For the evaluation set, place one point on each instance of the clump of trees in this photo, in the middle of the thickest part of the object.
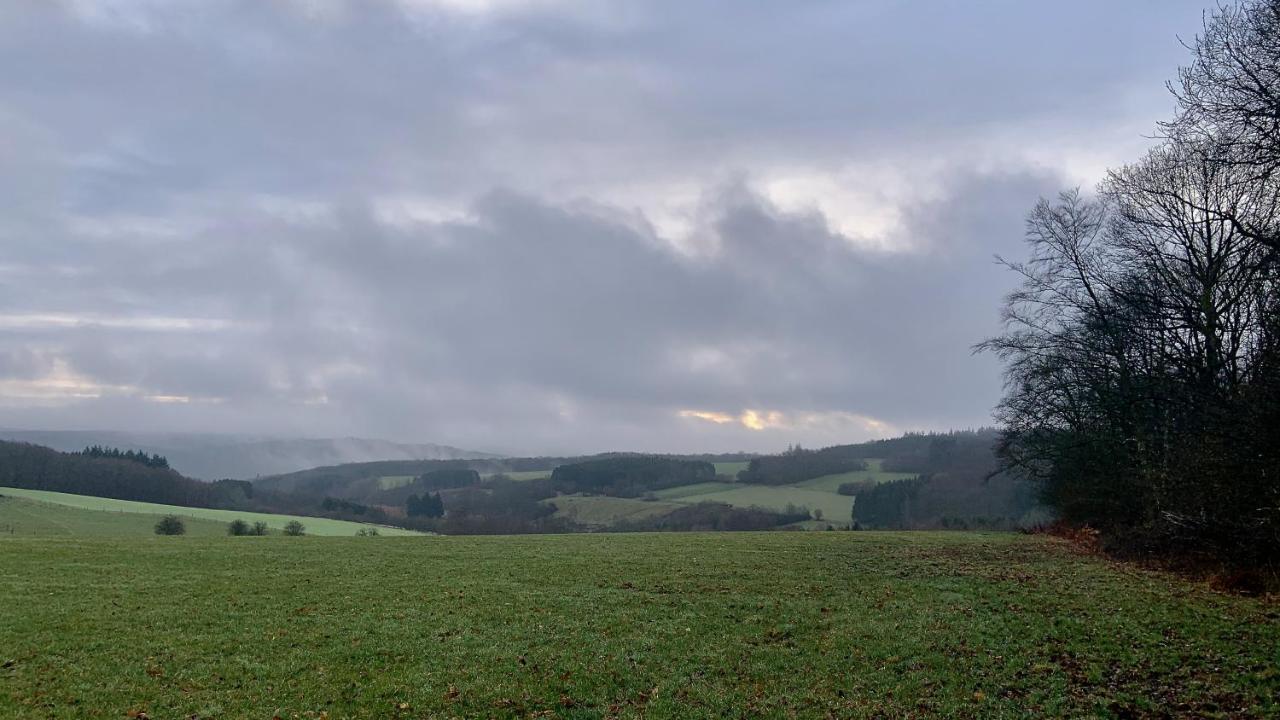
(427, 505)
(1142, 349)
(171, 525)
(798, 464)
(142, 458)
(447, 478)
(240, 528)
(958, 484)
(35, 467)
(630, 476)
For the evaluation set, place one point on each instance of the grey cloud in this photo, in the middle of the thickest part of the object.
(225, 162)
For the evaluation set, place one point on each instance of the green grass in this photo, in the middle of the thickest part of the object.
(391, 482)
(832, 483)
(730, 468)
(30, 518)
(603, 510)
(689, 493)
(835, 508)
(822, 624)
(315, 526)
(526, 474)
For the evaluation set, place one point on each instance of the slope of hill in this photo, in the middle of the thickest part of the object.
(26, 517)
(109, 506)
(213, 457)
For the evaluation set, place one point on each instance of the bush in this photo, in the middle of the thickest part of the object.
(295, 528)
(238, 528)
(259, 528)
(367, 532)
(171, 525)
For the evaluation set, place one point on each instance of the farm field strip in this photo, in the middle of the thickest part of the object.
(391, 482)
(601, 510)
(31, 518)
(678, 625)
(314, 525)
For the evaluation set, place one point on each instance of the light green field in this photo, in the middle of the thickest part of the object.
(603, 510)
(30, 518)
(835, 508)
(315, 526)
(391, 482)
(645, 625)
(689, 493)
(731, 468)
(831, 483)
(525, 474)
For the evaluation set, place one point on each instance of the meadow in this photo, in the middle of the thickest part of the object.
(834, 624)
(30, 518)
(148, 513)
(815, 494)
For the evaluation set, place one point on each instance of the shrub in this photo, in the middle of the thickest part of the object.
(367, 532)
(238, 527)
(171, 525)
(259, 528)
(295, 528)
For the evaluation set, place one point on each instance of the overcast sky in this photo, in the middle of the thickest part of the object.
(540, 225)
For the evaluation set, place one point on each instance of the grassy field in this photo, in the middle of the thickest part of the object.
(391, 482)
(591, 626)
(30, 518)
(832, 483)
(730, 468)
(528, 474)
(690, 493)
(602, 510)
(315, 526)
(834, 507)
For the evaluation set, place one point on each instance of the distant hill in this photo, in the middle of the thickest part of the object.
(213, 456)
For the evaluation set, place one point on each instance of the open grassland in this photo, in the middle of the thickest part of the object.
(638, 625)
(690, 493)
(731, 468)
(836, 508)
(527, 474)
(315, 526)
(30, 518)
(391, 482)
(603, 510)
(873, 473)
(815, 494)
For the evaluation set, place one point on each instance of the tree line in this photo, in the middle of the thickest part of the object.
(151, 461)
(1142, 347)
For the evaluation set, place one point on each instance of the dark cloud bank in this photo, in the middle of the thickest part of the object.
(538, 227)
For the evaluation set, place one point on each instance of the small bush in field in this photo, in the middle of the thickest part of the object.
(171, 525)
(295, 528)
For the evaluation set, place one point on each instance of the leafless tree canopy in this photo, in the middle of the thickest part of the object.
(1141, 349)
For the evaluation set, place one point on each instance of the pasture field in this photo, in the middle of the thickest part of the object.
(314, 525)
(603, 510)
(391, 482)
(831, 483)
(834, 624)
(528, 474)
(690, 493)
(835, 508)
(30, 518)
(730, 468)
